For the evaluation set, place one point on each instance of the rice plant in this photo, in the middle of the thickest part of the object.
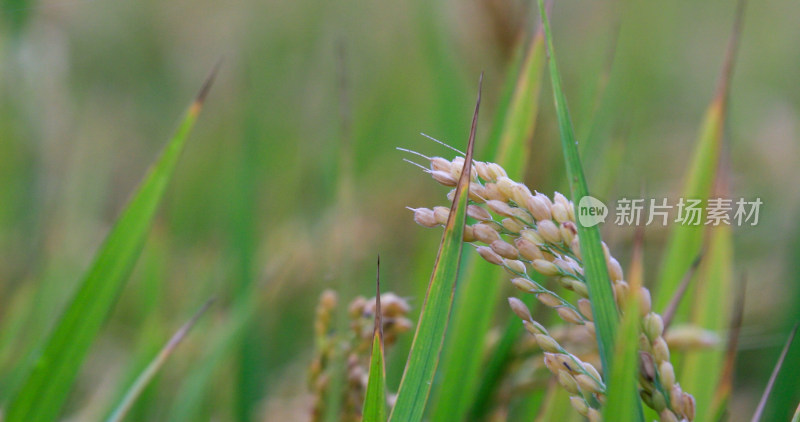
(237, 281)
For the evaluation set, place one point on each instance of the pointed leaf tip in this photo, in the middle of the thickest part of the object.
(203, 93)
(771, 383)
(378, 314)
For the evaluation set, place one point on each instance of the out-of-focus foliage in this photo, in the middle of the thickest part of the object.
(88, 91)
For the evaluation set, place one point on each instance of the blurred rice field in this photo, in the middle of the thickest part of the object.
(291, 182)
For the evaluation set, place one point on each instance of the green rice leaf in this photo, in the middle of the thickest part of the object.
(479, 291)
(375, 400)
(426, 347)
(722, 394)
(623, 403)
(796, 417)
(702, 369)
(712, 298)
(685, 241)
(152, 369)
(771, 383)
(603, 307)
(45, 389)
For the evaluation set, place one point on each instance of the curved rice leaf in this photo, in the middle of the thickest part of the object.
(604, 309)
(771, 383)
(375, 399)
(45, 389)
(685, 241)
(426, 347)
(597, 280)
(155, 365)
(623, 400)
(479, 292)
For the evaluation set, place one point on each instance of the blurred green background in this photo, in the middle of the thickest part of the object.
(312, 95)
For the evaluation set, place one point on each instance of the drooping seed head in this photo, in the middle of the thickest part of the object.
(689, 406)
(440, 164)
(519, 193)
(579, 287)
(587, 384)
(425, 218)
(647, 367)
(512, 225)
(644, 344)
(549, 231)
(477, 193)
(586, 308)
(548, 300)
(668, 416)
(539, 206)
(545, 267)
(552, 363)
(482, 169)
(614, 269)
(392, 306)
(558, 198)
(653, 326)
(500, 208)
(621, 293)
(441, 214)
(520, 309)
(667, 374)
(588, 367)
(569, 315)
(527, 249)
(660, 350)
(514, 267)
(491, 191)
(568, 382)
(575, 246)
(676, 396)
(594, 415)
(456, 166)
(658, 401)
(485, 233)
(496, 171)
(568, 231)
(478, 213)
(579, 404)
(532, 236)
(691, 337)
(590, 330)
(523, 216)
(504, 249)
(444, 178)
(560, 213)
(469, 234)
(534, 327)
(506, 187)
(645, 303)
(564, 266)
(523, 284)
(547, 343)
(489, 255)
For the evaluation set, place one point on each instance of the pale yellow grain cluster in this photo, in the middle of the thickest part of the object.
(356, 344)
(531, 235)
